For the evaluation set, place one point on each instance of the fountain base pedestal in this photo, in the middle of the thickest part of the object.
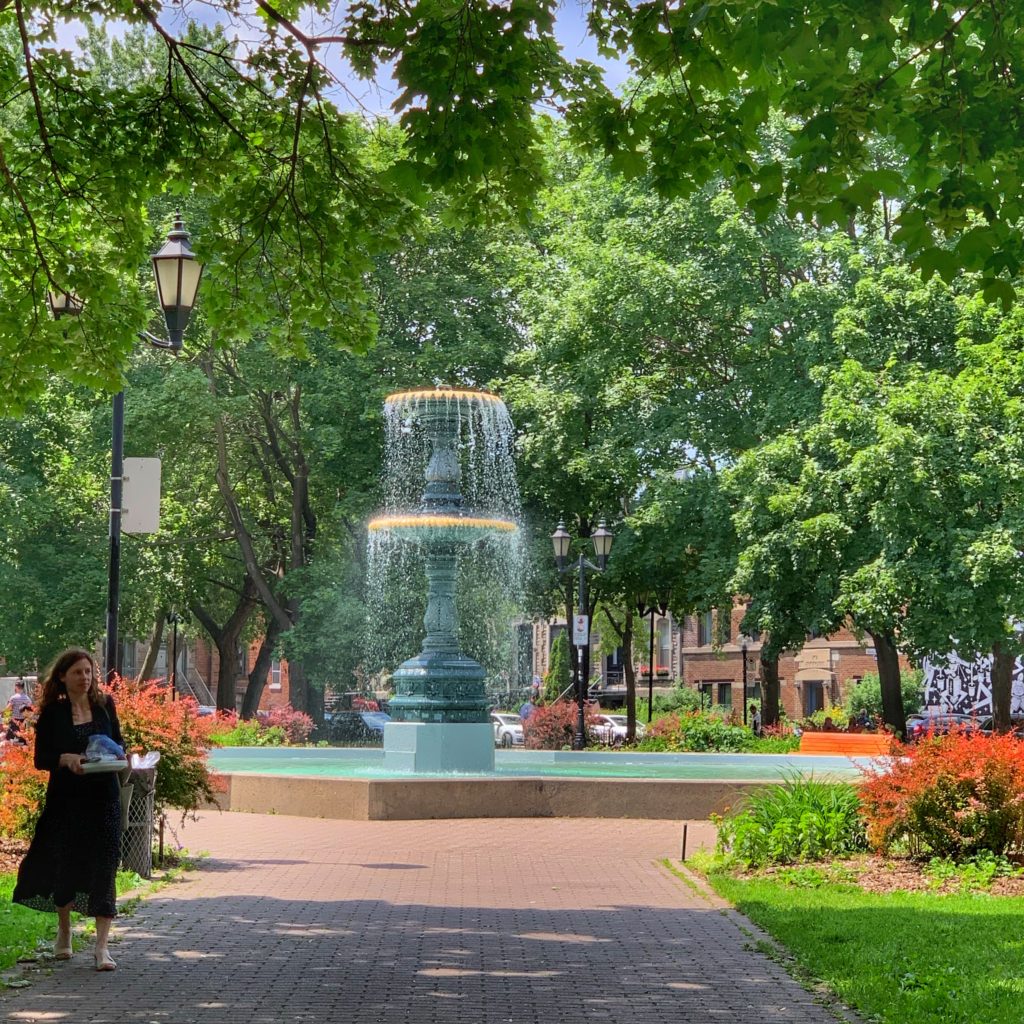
(439, 746)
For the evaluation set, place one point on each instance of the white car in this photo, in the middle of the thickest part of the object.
(611, 729)
(508, 729)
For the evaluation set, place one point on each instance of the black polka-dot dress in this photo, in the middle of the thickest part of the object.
(76, 849)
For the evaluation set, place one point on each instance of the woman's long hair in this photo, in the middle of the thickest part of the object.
(53, 686)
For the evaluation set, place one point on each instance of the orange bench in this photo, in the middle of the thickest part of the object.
(846, 744)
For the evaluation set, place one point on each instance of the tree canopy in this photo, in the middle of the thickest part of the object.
(912, 100)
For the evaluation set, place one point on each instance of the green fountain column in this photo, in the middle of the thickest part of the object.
(440, 712)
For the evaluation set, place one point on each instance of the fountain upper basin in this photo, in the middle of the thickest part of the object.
(425, 526)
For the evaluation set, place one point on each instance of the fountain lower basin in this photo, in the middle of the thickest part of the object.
(353, 784)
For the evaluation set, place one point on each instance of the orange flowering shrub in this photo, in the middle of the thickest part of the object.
(552, 726)
(22, 789)
(150, 720)
(952, 796)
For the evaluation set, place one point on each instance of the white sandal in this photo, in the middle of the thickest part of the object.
(105, 962)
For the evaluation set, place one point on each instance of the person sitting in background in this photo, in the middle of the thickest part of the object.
(19, 705)
(755, 720)
(828, 725)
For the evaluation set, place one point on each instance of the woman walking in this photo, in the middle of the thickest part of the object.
(72, 861)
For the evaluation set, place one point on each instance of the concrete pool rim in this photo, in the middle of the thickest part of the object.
(525, 795)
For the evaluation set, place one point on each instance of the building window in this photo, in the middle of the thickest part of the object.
(128, 666)
(705, 628)
(706, 694)
(275, 675)
(814, 697)
(664, 645)
(725, 695)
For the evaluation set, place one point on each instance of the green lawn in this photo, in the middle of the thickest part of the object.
(904, 958)
(21, 929)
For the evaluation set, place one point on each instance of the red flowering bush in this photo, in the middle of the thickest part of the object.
(951, 796)
(297, 725)
(150, 720)
(552, 726)
(22, 789)
(278, 727)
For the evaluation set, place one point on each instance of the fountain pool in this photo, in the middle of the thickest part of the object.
(355, 783)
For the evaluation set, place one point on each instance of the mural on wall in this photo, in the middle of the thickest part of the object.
(953, 684)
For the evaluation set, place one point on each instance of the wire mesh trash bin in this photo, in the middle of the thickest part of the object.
(137, 839)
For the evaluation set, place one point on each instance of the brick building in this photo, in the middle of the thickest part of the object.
(199, 666)
(816, 676)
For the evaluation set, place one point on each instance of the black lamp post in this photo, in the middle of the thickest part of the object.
(174, 618)
(177, 274)
(562, 542)
(648, 604)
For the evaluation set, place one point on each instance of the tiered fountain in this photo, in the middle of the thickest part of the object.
(440, 712)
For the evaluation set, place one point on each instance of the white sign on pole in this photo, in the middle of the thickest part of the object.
(581, 630)
(140, 502)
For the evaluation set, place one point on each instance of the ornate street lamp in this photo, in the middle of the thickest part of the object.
(561, 541)
(648, 603)
(177, 273)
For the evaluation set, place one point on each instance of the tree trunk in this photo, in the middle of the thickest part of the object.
(890, 681)
(298, 687)
(260, 670)
(146, 672)
(770, 688)
(315, 703)
(1002, 685)
(226, 639)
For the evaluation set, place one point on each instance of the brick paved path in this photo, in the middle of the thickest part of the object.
(478, 922)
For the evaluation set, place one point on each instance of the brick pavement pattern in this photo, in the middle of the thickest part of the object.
(525, 921)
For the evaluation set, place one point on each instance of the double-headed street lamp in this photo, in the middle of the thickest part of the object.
(649, 604)
(177, 273)
(562, 543)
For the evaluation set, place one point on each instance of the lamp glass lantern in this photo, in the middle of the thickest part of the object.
(63, 303)
(561, 542)
(177, 273)
(602, 540)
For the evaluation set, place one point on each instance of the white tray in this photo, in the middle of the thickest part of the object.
(95, 767)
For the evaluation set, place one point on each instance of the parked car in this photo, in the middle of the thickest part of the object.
(1016, 725)
(611, 729)
(356, 728)
(508, 729)
(937, 723)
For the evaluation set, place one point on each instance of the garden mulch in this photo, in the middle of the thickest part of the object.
(891, 874)
(11, 852)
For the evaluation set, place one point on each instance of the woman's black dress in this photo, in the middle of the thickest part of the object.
(76, 848)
